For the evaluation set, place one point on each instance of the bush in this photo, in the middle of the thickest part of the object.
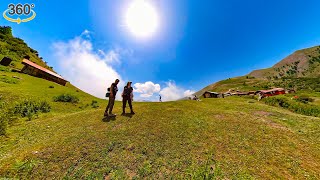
(8, 80)
(29, 108)
(305, 99)
(4, 68)
(94, 104)
(294, 106)
(66, 98)
(51, 87)
(25, 108)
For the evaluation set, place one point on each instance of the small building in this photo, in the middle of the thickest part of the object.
(5, 61)
(271, 92)
(240, 94)
(209, 94)
(41, 72)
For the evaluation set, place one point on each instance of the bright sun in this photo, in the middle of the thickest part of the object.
(141, 18)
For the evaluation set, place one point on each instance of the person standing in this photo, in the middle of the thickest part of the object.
(160, 98)
(112, 98)
(127, 96)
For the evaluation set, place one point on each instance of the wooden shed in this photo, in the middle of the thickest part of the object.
(5, 61)
(41, 72)
(209, 94)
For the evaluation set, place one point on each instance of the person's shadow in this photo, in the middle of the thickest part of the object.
(108, 118)
(129, 115)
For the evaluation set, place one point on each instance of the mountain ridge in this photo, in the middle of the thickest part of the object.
(303, 65)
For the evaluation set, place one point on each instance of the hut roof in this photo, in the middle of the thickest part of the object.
(271, 90)
(211, 92)
(27, 62)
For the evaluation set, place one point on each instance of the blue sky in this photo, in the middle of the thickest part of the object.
(197, 42)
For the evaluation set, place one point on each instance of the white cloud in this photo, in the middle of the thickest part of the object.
(172, 92)
(188, 93)
(147, 89)
(85, 68)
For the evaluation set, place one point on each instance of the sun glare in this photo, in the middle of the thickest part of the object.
(141, 18)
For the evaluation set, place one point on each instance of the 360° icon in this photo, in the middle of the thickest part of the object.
(19, 9)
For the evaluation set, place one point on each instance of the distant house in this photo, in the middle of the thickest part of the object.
(271, 92)
(41, 72)
(5, 61)
(209, 94)
(240, 93)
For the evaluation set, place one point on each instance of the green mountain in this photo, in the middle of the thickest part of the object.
(302, 63)
(299, 71)
(16, 49)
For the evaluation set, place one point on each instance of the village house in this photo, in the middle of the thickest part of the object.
(209, 94)
(41, 72)
(271, 92)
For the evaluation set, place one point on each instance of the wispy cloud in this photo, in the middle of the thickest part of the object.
(84, 67)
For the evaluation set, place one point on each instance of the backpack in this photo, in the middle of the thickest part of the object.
(108, 93)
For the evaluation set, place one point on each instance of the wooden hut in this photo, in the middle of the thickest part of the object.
(209, 94)
(41, 72)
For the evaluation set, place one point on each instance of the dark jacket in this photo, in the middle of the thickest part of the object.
(127, 91)
(114, 89)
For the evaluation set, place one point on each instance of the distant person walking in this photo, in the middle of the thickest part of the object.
(160, 100)
(127, 96)
(112, 98)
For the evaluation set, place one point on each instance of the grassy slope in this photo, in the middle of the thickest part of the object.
(163, 140)
(29, 87)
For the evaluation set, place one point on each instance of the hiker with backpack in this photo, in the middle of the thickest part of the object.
(112, 97)
(127, 96)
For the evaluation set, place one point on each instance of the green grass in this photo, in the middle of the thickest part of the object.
(28, 87)
(232, 138)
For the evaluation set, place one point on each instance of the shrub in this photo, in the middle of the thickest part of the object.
(294, 106)
(30, 108)
(66, 98)
(4, 68)
(25, 108)
(51, 87)
(94, 104)
(8, 80)
(305, 99)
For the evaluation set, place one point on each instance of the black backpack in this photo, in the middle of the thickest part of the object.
(108, 93)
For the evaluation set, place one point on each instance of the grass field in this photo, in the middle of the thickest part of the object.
(231, 138)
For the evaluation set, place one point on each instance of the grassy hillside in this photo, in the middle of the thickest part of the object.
(184, 139)
(302, 63)
(16, 49)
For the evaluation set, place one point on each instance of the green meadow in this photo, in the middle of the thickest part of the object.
(230, 138)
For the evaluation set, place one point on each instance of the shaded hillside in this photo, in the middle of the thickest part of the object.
(16, 49)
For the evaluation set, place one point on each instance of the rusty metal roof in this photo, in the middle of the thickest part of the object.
(272, 90)
(27, 62)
